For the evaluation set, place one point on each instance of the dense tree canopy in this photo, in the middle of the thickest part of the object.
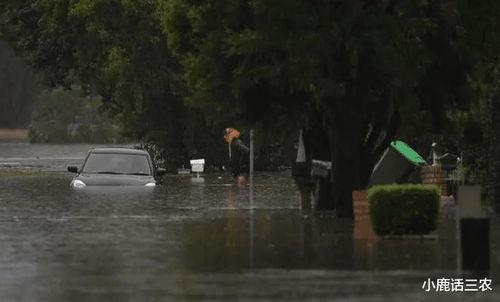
(354, 70)
(354, 75)
(112, 48)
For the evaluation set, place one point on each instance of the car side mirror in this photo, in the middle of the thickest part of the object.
(73, 169)
(161, 171)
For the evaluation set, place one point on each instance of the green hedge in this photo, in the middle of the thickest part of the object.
(404, 209)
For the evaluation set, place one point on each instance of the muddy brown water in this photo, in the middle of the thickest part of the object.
(200, 240)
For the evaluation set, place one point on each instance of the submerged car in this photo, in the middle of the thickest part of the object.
(115, 167)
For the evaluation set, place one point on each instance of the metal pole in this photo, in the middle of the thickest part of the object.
(434, 154)
(251, 156)
(251, 227)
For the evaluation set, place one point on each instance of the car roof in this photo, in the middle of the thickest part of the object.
(117, 150)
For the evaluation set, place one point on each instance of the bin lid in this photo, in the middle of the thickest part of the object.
(411, 155)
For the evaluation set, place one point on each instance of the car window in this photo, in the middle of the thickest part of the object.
(117, 163)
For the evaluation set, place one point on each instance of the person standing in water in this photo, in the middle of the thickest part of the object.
(238, 155)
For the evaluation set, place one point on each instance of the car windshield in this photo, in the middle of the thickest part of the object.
(117, 163)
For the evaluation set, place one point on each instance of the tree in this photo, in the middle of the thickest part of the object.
(353, 74)
(347, 68)
(115, 49)
(351, 71)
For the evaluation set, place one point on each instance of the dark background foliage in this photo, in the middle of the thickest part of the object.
(353, 75)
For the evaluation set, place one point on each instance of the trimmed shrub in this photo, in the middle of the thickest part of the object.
(404, 209)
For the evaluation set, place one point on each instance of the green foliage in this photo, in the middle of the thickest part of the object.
(490, 157)
(65, 116)
(347, 69)
(354, 75)
(114, 49)
(117, 49)
(404, 209)
(18, 89)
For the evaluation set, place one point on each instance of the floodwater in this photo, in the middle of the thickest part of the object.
(200, 239)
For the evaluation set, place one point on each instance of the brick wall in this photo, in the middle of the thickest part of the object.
(434, 175)
(363, 228)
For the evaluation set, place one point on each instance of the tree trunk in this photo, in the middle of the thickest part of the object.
(317, 146)
(323, 194)
(349, 165)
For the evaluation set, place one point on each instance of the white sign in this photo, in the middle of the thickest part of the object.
(197, 161)
(197, 165)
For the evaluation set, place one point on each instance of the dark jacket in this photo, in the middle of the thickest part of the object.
(239, 157)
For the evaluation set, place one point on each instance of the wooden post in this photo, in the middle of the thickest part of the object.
(301, 172)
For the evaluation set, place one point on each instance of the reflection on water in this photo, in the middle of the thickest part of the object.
(201, 240)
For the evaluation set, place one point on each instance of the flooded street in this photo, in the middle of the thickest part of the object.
(199, 240)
